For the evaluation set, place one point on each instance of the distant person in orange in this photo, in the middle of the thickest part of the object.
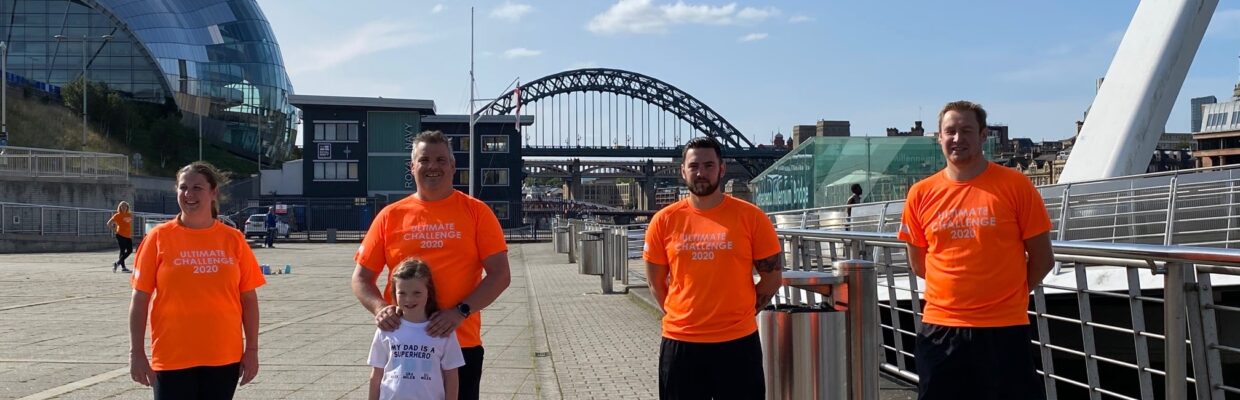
(978, 233)
(457, 235)
(701, 253)
(201, 277)
(121, 224)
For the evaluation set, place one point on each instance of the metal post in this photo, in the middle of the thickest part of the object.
(85, 92)
(864, 340)
(200, 136)
(4, 93)
(1171, 199)
(1173, 321)
(607, 240)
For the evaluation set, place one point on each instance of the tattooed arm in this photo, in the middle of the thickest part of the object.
(770, 277)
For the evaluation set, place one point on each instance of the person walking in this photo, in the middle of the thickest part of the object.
(195, 280)
(978, 233)
(701, 254)
(457, 235)
(121, 225)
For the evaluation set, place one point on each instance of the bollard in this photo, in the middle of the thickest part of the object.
(860, 292)
(331, 235)
(606, 260)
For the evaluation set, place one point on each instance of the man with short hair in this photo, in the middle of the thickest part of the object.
(270, 223)
(979, 234)
(457, 235)
(700, 256)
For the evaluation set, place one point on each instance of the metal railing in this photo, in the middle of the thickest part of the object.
(32, 162)
(1196, 207)
(1125, 355)
(36, 219)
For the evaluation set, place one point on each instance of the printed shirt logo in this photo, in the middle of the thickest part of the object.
(203, 261)
(702, 246)
(963, 223)
(432, 236)
(412, 361)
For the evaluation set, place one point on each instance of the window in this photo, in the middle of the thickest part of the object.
(332, 131)
(460, 144)
(462, 178)
(335, 171)
(494, 177)
(494, 144)
(500, 208)
(1235, 117)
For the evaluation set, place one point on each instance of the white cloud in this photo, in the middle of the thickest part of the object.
(796, 19)
(370, 38)
(752, 37)
(521, 52)
(1226, 23)
(437, 9)
(645, 17)
(511, 11)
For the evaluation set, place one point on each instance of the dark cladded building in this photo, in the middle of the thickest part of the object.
(359, 147)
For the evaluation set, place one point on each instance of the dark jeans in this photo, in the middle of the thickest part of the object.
(271, 237)
(725, 370)
(471, 374)
(126, 246)
(976, 363)
(198, 383)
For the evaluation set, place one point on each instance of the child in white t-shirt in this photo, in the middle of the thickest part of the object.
(409, 363)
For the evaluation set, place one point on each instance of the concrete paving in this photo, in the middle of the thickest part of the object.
(551, 335)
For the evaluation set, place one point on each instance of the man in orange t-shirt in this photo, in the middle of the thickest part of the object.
(700, 256)
(458, 236)
(979, 234)
(121, 224)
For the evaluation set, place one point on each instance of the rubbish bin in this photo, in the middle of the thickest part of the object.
(331, 235)
(804, 352)
(561, 239)
(590, 261)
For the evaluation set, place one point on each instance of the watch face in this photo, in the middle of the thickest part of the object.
(463, 308)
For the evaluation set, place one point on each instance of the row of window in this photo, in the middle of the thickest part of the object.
(335, 171)
(1218, 119)
(500, 208)
(490, 143)
(335, 132)
(490, 177)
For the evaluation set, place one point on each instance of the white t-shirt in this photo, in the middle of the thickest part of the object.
(413, 362)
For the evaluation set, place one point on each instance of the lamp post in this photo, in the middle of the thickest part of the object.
(85, 81)
(4, 93)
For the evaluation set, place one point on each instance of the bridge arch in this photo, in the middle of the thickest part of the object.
(663, 95)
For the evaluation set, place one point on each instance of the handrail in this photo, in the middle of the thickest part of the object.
(1177, 254)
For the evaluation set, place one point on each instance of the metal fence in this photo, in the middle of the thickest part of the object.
(34, 219)
(32, 162)
(1094, 337)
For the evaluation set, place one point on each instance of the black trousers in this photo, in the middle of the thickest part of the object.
(126, 246)
(976, 363)
(198, 383)
(471, 374)
(270, 239)
(725, 370)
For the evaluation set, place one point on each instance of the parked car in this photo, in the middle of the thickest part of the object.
(240, 217)
(256, 225)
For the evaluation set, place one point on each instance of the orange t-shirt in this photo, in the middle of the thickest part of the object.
(452, 235)
(974, 233)
(196, 277)
(710, 255)
(124, 224)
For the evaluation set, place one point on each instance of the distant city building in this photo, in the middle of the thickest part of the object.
(999, 132)
(834, 128)
(916, 130)
(1220, 133)
(359, 147)
(801, 133)
(1196, 103)
(216, 61)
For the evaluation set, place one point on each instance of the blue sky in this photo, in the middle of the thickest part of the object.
(763, 65)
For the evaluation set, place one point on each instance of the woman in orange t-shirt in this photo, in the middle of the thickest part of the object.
(121, 223)
(197, 277)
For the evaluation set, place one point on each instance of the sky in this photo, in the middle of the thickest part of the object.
(763, 65)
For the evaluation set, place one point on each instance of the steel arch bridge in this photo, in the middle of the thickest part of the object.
(601, 112)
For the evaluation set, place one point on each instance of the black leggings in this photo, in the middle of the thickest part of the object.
(203, 383)
(126, 245)
(470, 375)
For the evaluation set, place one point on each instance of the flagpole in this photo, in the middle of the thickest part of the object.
(472, 116)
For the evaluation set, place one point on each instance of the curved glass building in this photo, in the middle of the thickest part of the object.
(218, 60)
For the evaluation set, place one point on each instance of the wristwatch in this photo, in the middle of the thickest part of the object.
(463, 309)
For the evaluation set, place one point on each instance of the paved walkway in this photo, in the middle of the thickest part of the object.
(551, 335)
